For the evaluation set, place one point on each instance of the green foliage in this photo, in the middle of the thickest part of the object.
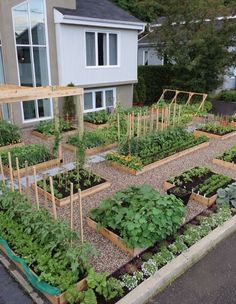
(69, 105)
(48, 127)
(140, 215)
(98, 117)
(158, 145)
(227, 196)
(131, 162)
(34, 154)
(49, 247)
(178, 246)
(108, 288)
(74, 296)
(228, 96)
(9, 134)
(215, 128)
(199, 49)
(137, 110)
(228, 155)
(163, 256)
(140, 90)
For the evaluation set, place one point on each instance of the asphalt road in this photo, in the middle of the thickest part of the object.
(10, 291)
(210, 281)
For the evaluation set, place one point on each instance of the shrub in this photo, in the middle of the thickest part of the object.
(99, 117)
(229, 96)
(140, 215)
(9, 133)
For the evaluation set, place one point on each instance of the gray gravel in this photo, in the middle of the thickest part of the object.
(110, 257)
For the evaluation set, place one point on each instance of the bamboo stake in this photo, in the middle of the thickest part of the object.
(138, 126)
(157, 119)
(174, 116)
(11, 172)
(36, 188)
(144, 123)
(166, 117)
(169, 117)
(133, 124)
(18, 174)
(45, 191)
(71, 206)
(152, 119)
(118, 126)
(2, 172)
(81, 217)
(130, 126)
(162, 119)
(128, 122)
(53, 198)
(179, 114)
(27, 177)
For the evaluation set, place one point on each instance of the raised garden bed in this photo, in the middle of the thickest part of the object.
(202, 182)
(92, 151)
(227, 159)
(215, 130)
(37, 156)
(10, 136)
(89, 184)
(46, 130)
(96, 120)
(132, 218)
(140, 155)
(52, 271)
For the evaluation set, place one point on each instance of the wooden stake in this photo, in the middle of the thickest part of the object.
(27, 178)
(162, 119)
(18, 174)
(174, 115)
(179, 114)
(81, 217)
(144, 123)
(45, 190)
(130, 126)
(2, 172)
(11, 172)
(157, 119)
(71, 206)
(118, 126)
(133, 124)
(36, 188)
(53, 198)
(152, 119)
(138, 126)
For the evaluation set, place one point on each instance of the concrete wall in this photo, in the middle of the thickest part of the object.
(72, 59)
(124, 95)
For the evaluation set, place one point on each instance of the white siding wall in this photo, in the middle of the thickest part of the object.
(72, 58)
(153, 58)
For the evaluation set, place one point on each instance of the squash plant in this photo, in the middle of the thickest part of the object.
(141, 216)
(98, 117)
(48, 127)
(9, 134)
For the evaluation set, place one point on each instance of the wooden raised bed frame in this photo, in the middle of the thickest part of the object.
(8, 147)
(224, 163)
(197, 197)
(114, 238)
(38, 167)
(51, 137)
(199, 133)
(60, 299)
(91, 125)
(159, 162)
(92, 151)
(65, 201)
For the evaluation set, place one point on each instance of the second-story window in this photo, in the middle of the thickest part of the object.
(101, 49)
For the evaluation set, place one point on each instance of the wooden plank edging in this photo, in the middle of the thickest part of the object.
(92, 151)
(94, 126)
(51, 137)
(114, 238)
(199, 133)
(8, 147)
(223, 163)
(159, 162)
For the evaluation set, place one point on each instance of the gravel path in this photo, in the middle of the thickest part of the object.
(110, 258)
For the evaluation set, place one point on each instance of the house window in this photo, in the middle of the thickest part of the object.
(101, 49)
(145, 57)
(99, 99)
(30, 37)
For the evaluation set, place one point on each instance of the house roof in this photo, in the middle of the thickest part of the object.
(99, 9)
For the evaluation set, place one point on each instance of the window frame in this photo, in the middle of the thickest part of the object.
(31, 47)
(103, 90)
(107, 32)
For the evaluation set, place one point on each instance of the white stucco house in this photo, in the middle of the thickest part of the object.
(90, 43)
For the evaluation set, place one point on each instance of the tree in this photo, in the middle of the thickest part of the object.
(194, 40)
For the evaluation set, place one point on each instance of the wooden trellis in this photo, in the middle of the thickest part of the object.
(187, 96)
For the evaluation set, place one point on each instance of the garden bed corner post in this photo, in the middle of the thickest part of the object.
(79, 101)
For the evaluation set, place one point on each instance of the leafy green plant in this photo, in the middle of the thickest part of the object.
(178, 246)
(227, 195)
(98, 117)
(9, 134)
(228, 96)
(140, 215)
(229, 155)
(149, 268)
(129, 161)
(74, 296)
(34, 154)
(163, 256)
(48, 127)
(216, 128)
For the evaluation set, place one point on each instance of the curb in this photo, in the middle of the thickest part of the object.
(162, 278)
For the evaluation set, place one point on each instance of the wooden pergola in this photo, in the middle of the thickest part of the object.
(11, 94)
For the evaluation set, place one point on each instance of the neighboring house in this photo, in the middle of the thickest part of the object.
(91, 43)
(147, 55)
